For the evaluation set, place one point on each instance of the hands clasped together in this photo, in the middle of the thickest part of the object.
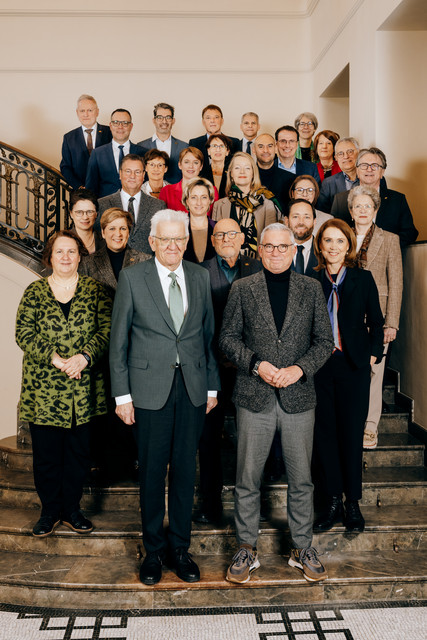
(73, 366)
(279, 377)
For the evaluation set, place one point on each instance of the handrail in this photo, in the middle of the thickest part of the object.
(33, 200)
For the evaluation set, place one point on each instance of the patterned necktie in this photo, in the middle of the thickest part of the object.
(89, 143)
(131, 208)
(121, 154)
(299, 261)
(176, 305)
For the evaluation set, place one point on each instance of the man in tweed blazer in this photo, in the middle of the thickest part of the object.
(276, 330)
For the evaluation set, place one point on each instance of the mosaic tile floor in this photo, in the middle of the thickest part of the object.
(373, 621)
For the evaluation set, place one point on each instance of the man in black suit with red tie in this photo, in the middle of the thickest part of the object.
(79, 143)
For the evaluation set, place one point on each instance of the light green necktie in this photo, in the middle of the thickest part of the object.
(176, 306)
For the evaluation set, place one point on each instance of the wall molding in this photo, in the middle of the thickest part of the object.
(151, 71)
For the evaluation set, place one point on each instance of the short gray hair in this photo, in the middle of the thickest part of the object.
(364, 190)
(168, 215)
(277, 226)
(86, 96)
(309, 115)
(352, 141)
(373, 151)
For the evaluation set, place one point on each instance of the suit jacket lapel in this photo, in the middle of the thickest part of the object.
(295, 294)
(105, 268)
(191, 293)
(262, 300)
(153, 283)
(374, 246)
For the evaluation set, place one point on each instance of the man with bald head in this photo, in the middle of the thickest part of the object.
(273, 178)
(226, 267)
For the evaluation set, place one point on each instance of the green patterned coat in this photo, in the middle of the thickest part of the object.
(47, 394)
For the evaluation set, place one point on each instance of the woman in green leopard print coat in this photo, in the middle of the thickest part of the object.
(63, 328)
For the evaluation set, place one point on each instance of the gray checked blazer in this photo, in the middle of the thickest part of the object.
(305, 340)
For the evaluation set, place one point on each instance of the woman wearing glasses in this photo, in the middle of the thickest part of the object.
(156, 165)
(306, 187)
(218, 147)
(306, 124)
(251, 205)
(83, 210)
(342, 384)
(378, 251)
(198, 198)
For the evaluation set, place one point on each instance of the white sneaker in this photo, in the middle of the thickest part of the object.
(370, 440)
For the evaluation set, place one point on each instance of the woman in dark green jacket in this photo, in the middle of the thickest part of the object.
(63, 328)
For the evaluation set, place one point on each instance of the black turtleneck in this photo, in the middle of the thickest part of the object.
(116, 259)
(278, 289)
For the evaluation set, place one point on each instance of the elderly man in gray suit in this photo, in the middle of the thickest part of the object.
(130, 198)
(276, 330)
(165, 378)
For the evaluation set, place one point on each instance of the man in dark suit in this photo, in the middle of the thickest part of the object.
(276, 330)
(103, 169)
(79, 143)
(163, 140)
(394, 214)
(346, 151)
(273, 178)
(249, 126)
(212, 120)
(131, 198)
(300, 220)
(226, 267)
(287, 138)
(164, 378)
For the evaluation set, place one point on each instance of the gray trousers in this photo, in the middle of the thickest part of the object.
(255, 433)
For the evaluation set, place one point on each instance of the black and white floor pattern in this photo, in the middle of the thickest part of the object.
(370, 621)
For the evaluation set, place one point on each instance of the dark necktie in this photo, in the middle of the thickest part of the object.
(299, 262)
(121, 154)
(89, 143)
(131, 208)
(248, 147)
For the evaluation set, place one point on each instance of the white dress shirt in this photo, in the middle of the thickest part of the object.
(163, 145)
(116, 151)
(125, 197)
(305, 252)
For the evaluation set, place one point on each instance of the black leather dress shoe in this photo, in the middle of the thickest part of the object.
(78, 523)
(150, 571)
(45, 526)
(186, 568)
(333, 514)
(353, 520)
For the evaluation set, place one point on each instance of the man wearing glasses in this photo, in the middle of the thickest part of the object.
(103, 169)
(131, 198)
(394, 214)
(163, 140)
(346, 151)
(287, 138)
(276, 331)
(165, 379)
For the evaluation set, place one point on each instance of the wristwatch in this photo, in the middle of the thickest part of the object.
(87, 357)
(256, 367)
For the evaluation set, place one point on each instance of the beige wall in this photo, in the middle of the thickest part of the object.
(14, 278)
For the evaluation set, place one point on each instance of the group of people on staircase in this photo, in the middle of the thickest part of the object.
(238, 286)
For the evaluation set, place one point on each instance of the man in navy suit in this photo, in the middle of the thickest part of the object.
(213, 120)
(300, 220)
(346, 151)
(287, 138)
(249, 126)
(164, 119)
(103, 169)
(78, 144)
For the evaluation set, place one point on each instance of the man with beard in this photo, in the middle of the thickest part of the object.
(300, 220)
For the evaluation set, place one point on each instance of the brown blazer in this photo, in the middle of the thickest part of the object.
(384, 261)
(264, 215)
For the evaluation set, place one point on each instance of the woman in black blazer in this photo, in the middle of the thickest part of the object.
(198, 197)
(342, 384)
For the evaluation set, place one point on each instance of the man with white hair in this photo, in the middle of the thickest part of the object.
(164, 377)
(346, 150)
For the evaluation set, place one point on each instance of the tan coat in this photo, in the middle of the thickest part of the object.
(384, 261)
(264, 215)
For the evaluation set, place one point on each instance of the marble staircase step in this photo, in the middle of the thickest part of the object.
(112, 582)
(395, 449)
(389, 393)
(119, 534)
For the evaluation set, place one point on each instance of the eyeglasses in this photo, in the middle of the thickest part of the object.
(165, 242)
(300, 190)
(80, 214)
(306, 124)
(156, 165)
(363, 207)
(217, 146)
(374, 166)
(282, 248)
(221, 234)
(161, 118)
(129, 172)
(118, 123)
(349, 152)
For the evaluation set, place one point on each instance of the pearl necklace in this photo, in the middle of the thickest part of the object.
(65, 286)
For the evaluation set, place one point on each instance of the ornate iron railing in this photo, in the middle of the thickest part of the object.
(33, 200)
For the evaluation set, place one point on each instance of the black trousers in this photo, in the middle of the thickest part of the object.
(168, 436)
(342, 406)
(61, 461)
